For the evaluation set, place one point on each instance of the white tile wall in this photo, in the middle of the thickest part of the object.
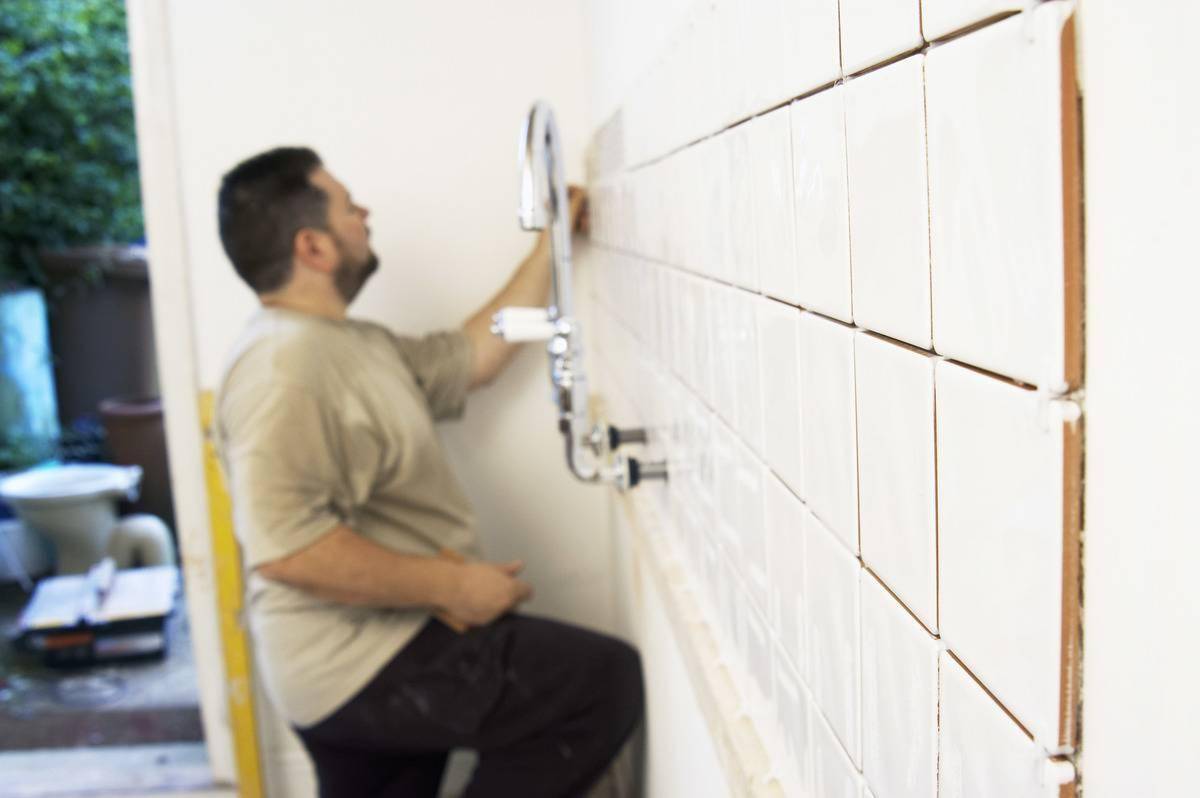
(900, 698)
(790, 47)
(827, 430)
(792, 335)
(774, 214)
(996, 198)
(741, 220)
(779, 361)
(792, 705)
(873, 32)
(1000, 511)
(896, 466)
(822, 221)
(834, 775)
(832, 596)
(787, 524)
(983, 754)
(942, 17)
(748, 408)
(889, 207)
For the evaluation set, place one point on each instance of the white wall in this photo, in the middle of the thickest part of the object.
(1142, 624)
(417, 108)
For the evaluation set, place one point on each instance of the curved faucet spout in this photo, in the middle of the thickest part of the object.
(543, 197)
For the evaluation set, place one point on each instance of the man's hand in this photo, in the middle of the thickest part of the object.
(484, 592)
(577, 199)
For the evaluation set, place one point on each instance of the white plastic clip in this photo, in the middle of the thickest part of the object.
(1053, 407)
(1028, 25)
(1058, 771)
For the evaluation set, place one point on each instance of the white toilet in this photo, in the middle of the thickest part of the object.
(73, 506)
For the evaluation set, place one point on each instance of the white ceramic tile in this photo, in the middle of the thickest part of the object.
(699, 352)
(774, 215)
(822, 212)
(889, 201)
(758, 659)
(996, 198)
(834, 775)
(873, 31)
(718, 207)
(786, 527)
(831, 576)
(750, 527)
(1000, 539)
(721, 299)
(726, 463)
(900, 698)
(812, 46)
(732, 81)
(685, 325)
(736, 143)
(983, 754)
(748, 418)
(940, 17)
(897, 496)
(793, 709)
(779, 363)
(791, 46)
(828, 430)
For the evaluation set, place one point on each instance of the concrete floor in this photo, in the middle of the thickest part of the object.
(106, 730)
(112, 771)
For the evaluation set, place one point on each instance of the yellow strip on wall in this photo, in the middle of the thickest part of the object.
(227, 567)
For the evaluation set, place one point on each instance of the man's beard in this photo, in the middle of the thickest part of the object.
(352, 275)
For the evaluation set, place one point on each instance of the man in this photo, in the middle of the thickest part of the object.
(380, 633)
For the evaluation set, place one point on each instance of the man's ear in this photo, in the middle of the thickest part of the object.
(315, 249)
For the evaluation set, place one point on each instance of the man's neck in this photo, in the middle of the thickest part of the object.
(325, 307)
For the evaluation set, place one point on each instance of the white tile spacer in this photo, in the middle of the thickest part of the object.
(1054, 406)
(1058, 771)
(1028, 26)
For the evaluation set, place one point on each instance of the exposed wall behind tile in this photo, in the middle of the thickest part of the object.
(835, 274)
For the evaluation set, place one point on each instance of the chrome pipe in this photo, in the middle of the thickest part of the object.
(544, 204)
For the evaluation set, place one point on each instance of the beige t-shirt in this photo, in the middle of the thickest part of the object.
(321, 423)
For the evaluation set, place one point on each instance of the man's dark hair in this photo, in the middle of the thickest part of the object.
(263, 202)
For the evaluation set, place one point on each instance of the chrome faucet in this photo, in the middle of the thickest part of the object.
(590, 448)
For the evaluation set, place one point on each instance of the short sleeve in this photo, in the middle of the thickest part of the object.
(283, 450)
(441, 364)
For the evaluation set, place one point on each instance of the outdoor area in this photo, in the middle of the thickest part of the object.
(97, 677)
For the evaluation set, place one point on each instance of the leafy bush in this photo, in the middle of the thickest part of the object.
(68, 155)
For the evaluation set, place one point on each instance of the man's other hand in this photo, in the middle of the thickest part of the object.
(485, 591)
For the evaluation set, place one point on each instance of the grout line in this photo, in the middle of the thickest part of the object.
(974, 26)
(887, 339)
(900, 601)
(928, 198)
(920, 49)
(857, 452)
(846, 181)
(937, 520)
(1013, 381)
(992, 696)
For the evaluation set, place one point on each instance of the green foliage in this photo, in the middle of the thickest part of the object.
(68, 155)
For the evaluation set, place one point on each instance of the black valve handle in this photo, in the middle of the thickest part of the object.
(617, 437)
